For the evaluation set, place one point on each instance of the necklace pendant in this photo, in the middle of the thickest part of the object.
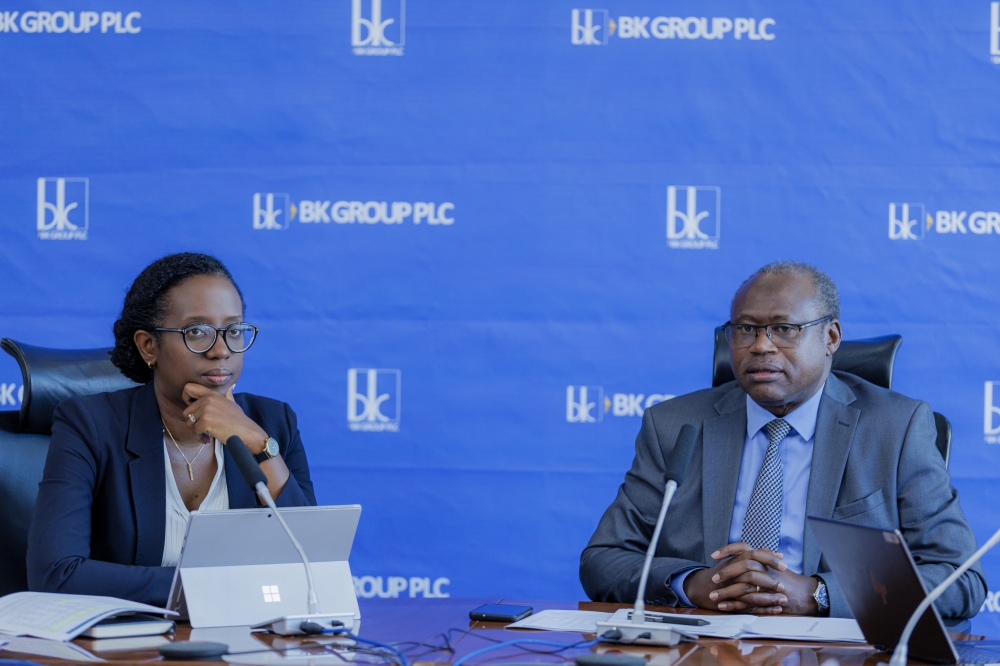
(190, 472)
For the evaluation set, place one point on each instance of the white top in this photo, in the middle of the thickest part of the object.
(178, 514)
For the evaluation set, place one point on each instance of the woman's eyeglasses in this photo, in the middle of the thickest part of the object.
(199, 338)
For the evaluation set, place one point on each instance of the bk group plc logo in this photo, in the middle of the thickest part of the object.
(61, 22)
(375, 407)
(584, 404)
(991, 412)
(63, 208)
(11, 394)
(593, 27)
(906, 221)
(911, 221)
(379, 31)
(588, 404)
(393, 587)
(693, 217)
(995, 33)
(272, 211)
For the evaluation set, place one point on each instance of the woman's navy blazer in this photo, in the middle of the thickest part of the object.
(99, 523)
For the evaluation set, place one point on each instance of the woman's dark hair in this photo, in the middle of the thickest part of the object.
(146, 304)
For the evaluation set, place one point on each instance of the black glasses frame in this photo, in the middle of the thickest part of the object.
(728, 327)
(215, 339)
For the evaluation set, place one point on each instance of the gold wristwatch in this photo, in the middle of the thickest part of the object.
(270, 451)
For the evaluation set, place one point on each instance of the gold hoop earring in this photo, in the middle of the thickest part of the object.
(150, 364)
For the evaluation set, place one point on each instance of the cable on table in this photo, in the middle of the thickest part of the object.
(527, 641)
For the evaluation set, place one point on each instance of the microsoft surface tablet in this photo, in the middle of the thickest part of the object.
(238, 567)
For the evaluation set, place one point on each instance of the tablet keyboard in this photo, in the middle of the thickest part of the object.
(978, 652)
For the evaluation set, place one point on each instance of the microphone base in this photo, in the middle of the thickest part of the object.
(288, 625)
(647, 633)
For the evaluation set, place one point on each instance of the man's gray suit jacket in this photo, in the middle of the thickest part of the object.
(874, 463)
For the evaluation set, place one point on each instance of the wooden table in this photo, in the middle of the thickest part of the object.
(424, 620)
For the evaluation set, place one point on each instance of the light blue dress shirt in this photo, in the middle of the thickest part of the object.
(796, 460)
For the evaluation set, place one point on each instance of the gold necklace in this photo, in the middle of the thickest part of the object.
(189, 462)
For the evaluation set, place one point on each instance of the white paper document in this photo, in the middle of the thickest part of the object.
(584, 622)
(61, 617)
(719, 626)
(812, 629)
(42, 647)
(824, 629)
(716, 626)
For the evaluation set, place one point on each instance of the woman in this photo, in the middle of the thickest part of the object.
(125, 469)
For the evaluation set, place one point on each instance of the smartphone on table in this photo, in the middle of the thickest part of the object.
(500, 613)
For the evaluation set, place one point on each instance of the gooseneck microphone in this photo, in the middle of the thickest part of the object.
(632, 626)
(256, 479)
(899, 655)
(677, 466)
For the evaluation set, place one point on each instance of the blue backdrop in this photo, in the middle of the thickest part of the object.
(480, 238)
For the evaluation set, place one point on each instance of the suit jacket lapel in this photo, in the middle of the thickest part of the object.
(835, 425)
(723, 437)
(147, 476)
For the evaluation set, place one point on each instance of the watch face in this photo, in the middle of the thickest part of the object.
(272, 447)
(821, 596)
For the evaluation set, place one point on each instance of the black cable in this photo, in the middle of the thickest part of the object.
(448, 646)
(326, 649)
(446, 635)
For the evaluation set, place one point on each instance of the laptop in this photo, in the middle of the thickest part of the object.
(883, 587)
(238, 567)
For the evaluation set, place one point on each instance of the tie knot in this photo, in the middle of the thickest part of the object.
(777, 429)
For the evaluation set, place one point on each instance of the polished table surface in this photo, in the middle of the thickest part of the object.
(419, 626)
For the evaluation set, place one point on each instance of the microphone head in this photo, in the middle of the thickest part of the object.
(245, 462)
(680, 457)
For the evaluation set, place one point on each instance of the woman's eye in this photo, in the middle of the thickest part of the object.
(196, 332)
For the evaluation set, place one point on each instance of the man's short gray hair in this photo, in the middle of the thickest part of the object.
(826, 290)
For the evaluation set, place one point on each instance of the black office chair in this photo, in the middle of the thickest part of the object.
(50, 376)
(871, 359)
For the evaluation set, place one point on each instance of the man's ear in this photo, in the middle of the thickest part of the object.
(833, 337)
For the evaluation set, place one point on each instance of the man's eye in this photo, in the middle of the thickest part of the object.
(744, 328)
(783, 328)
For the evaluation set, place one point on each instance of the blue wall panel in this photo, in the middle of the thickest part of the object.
(537, 147)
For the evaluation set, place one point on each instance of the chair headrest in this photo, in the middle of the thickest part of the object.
(52, 375)
(872, 359)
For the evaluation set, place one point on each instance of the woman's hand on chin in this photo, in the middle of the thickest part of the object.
(220, 417)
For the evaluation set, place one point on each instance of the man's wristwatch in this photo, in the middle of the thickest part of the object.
(270, 451)
(821, 596)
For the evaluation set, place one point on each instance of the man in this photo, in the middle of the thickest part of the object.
(788, 439)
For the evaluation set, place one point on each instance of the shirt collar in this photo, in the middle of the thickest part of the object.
(802, 419)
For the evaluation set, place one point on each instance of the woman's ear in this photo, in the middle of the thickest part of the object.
(146, 344)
